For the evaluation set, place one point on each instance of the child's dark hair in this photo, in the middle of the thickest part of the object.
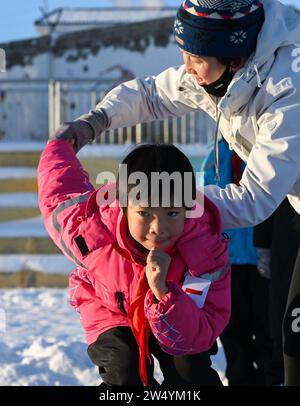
(156, 157)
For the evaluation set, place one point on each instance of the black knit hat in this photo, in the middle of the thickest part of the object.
(219, 28)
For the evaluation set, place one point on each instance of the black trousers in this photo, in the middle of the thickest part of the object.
(116, 354)
(246, 339)
(284, 248)
(291, 330)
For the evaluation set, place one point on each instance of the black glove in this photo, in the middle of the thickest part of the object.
(83, 130)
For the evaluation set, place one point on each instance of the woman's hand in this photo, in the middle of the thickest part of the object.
(156, 271)
(77, 133)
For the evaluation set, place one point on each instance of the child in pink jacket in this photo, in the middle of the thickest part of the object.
(150, 279)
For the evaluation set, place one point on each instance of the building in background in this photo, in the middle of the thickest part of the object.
(86, 51)
(65, 20)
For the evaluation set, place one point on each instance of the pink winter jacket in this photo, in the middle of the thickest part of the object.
(109, 265)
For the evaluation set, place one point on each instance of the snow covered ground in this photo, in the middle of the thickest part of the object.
(20, 172)
(42, 341)
(18, 199)
(32, 227)
(98, 151)
(50, 264)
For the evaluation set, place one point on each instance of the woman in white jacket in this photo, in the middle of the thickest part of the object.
(241, 66)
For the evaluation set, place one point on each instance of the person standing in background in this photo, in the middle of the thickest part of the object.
(246, 339)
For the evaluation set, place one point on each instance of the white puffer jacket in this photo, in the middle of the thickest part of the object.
(260, 117)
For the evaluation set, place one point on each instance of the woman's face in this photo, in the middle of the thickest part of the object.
(205, 69)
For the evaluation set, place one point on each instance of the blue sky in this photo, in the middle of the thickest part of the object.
(17, 16)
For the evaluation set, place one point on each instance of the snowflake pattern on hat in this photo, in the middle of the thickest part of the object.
(235, 6)
(178, 27)
(238, 37)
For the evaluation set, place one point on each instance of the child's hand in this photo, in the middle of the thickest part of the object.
(156, 271)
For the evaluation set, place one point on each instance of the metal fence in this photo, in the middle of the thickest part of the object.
(33, 109)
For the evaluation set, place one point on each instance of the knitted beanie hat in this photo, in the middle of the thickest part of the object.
(219, 28)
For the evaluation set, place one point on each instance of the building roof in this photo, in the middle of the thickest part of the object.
(134, 36)
(103, 16)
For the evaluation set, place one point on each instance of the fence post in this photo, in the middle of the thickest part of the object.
(120, 135)
(166, 130)
(174, 130)
(51, 106)
(192, 127)
(57, 105)
(183, 129)
(93, 99)
(64, 102)
(2, 60)
(138, 133)
(128, 135)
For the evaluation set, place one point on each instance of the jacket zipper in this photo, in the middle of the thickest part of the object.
(216, 145)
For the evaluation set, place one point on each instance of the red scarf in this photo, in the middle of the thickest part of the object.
(136, 315)
(139, 324)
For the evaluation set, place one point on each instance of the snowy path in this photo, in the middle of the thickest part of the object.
(98, 151)
(18, 172)
(32, 227)
(43, 342)
(18, 200)
(50, 264)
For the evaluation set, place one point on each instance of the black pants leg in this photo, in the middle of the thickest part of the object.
(291, 330)
(116, 354)
(249, 317)
(186, 369)
(284, 249)
(262, 343)
(236, 338)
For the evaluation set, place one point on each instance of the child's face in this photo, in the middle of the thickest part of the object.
(205, 69)
(155, 227)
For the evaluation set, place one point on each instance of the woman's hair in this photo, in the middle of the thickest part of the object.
(150, 158)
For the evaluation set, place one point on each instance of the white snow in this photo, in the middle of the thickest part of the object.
(18, 200)
(21, 146)
(97, 150)
(120, 151)
(110, 16)
(51, 264)
(18, 172)
(32, 227)
(43, 342)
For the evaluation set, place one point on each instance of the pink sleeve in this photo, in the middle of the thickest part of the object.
(60, 176)
(63, 190)
(180, 326)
